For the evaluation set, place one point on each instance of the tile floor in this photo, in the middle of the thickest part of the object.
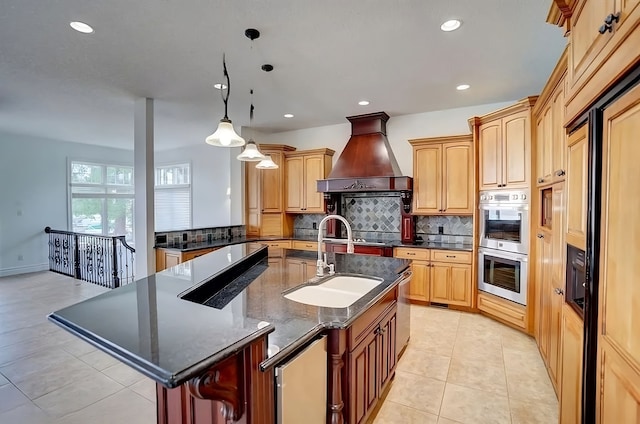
(458, 368)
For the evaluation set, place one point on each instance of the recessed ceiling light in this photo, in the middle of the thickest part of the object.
(363, 102)
(288, 115)
(450, 25)
(81, 27)
(462, 87)
(220, 86)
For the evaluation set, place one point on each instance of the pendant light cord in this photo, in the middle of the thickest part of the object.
(225, 98)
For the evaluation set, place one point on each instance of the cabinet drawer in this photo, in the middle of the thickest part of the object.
(187, 256)
(504, 310)
(455, 256)
(304, 245)
(362, 326)
(278, 244)
(412, 253)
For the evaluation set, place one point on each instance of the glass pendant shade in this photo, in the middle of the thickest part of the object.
(251, 153)
(267, 163)
(225, 136)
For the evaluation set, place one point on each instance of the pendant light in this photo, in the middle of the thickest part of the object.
(251, 153)
(267, 163)
(225, 135)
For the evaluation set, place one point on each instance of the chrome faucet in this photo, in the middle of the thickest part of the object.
(322, 263)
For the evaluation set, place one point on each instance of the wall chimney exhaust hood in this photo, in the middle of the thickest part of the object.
(367, 163)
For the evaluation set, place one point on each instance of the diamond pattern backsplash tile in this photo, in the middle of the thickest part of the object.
(455, 229)
(373, 217)
(303, 225)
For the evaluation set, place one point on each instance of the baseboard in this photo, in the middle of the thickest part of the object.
(24, 269)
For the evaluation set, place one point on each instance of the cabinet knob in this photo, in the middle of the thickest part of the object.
(560, 172)
(540, 180)
(558, 291)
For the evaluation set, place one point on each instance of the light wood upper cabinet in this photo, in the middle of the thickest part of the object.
(264, 199)
(504, 146)
(443, 173)
(577, 188)
(596, 60)
(571, 359)
(303, 169)
(618, 347)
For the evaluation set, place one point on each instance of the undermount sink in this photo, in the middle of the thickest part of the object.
(339, 291)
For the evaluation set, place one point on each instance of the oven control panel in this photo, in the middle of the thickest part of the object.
(503, 197)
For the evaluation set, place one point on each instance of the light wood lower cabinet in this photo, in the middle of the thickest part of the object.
(439, 276)
(503, 310)
(166, 258)
(451, 284)
(618, 347)
(304, 245)
(571, 359)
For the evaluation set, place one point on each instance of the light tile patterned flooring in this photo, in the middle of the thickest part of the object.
(458, 368)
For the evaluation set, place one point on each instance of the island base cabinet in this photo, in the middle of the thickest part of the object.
(233, 391)
(372, 364)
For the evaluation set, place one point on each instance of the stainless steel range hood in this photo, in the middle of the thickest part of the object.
(367, 163)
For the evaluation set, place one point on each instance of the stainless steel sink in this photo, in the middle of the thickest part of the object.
(338, 291)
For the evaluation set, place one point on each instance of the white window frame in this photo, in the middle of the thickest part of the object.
(106, 195)
(168, 187)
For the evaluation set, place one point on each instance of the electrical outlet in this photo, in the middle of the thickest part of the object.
(20, 257)
(440, 230)
(315, 226)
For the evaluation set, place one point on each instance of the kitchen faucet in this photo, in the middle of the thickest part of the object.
(321, 264)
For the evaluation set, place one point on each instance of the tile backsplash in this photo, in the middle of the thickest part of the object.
(373, 216)
(200, 235)
(451, 229)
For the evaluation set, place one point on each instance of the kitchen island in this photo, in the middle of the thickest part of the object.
(210, 331)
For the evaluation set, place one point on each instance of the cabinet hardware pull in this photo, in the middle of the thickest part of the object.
(608, 23)
(411, 254)
(540, 180)
(540, 236)
(451, 256)
(560, 172)
(558, 291)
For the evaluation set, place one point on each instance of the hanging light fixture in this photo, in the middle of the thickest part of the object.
(225, 135)
(267, 163)
(251, 153)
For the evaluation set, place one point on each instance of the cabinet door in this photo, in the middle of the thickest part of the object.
(576, 186)
(440, 283)
(586, 41)
(388, 351)
(253, 198)
(363, 382)
(544, 146)
(428, 180)
(272, 200)
(314, 170)
(571, 394)
(419, 285)
(516, 145)
(295, 184)
(618, 379)
(460, 285)
(558, 134)
(457, 184)
(171, 259)
(543, 280)
(490, 146)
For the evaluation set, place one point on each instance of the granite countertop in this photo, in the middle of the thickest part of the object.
(189, 246)
(173, 325)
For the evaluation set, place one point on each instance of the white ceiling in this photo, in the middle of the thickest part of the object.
(327, 55)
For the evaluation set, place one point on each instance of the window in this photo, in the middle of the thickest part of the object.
(101, 199)
(173, 197)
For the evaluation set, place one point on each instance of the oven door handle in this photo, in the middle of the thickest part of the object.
(520, 208)
(504, 255)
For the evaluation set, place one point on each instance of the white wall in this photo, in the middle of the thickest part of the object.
(33, 195)
(210, 178)
(399, 130)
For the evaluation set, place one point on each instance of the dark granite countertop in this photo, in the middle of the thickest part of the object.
(186, 247)
(235, 297)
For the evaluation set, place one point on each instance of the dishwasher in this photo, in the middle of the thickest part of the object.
(301, 386)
